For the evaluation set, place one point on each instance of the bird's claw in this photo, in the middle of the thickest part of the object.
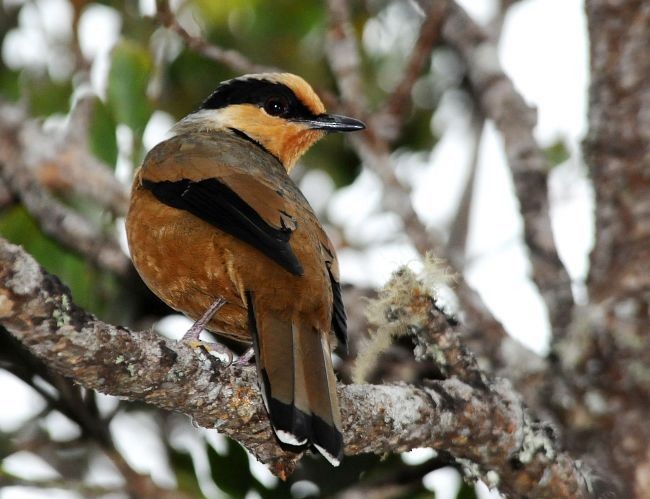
(212, 349)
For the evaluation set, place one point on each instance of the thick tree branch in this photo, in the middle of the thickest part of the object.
(618, 146)
(486, 428)
(607, 353)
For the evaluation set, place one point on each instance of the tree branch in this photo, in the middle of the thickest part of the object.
(618, 147)
(37, 309)
(18, 161)
(231, 58)
(62, 162)
(459, 228)
(397, 104)
(343, 56)
(515, 120)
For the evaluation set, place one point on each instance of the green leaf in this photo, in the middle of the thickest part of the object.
(557, 153)
(5, 444)
(183, 467)
(47, 97)
(131, 67)
(466, 492)
(101, 134)
(231, 471)
(91, 288)
(9, 84)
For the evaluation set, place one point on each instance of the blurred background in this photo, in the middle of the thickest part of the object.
(108, 79)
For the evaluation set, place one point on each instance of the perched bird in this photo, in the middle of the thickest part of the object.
(219, 231)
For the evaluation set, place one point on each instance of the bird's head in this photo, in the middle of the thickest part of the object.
(279, 111)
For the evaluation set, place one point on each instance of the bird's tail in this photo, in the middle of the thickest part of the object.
(296, 376)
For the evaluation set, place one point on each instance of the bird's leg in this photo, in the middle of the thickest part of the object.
(191, 337)
(245, 357)
(194, 332)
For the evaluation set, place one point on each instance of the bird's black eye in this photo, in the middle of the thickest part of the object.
(276, 106)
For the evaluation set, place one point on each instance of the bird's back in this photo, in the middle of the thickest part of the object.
(182, 249)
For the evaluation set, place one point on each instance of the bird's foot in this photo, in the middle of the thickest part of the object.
(191, 337)
(213, 348)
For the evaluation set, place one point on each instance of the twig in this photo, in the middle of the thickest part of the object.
(231, 58)
(487, 427)
(342, 53)
(62, 161)
(515, 120)
(343, 56)
(17, 139)
(398, 103)
(459, 228)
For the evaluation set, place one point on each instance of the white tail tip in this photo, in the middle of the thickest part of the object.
(332, 460)
(289, 438)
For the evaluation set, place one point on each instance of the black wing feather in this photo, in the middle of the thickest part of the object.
(217, 204)
(339, 319)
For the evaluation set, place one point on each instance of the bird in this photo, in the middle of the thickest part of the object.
(219, 231)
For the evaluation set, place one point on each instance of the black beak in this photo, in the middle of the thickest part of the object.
(334, 123)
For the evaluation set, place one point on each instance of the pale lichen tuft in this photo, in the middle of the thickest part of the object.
(397, 309)
(26, 277)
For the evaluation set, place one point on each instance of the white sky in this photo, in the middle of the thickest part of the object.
(551, 74)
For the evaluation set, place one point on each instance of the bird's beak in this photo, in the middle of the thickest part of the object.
(334, 123)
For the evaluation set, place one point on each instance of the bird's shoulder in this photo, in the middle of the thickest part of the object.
(201, 155)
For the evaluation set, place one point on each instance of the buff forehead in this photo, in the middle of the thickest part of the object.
(300, 87)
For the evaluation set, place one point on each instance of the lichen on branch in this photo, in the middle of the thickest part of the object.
(399, 310)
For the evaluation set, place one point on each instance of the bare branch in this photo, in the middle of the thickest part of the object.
(55, 219)
(37, 309)
(231, 58)
(63, 162)
(18, 161)
(343, 56)
(515, 120)
(457, 241)
(398, 102)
